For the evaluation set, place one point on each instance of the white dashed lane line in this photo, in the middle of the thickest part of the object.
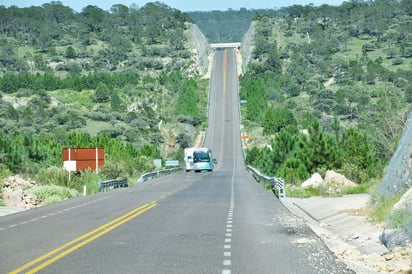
(227, 247)
(51, 214)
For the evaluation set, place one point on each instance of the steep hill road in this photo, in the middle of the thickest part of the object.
(212, 222)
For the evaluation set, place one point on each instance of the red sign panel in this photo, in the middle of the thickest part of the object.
(85, 158)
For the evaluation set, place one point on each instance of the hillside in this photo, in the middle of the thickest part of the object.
(328, 88)
(128, 79)
(312, 66)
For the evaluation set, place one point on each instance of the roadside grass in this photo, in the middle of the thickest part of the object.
(61, 182)
(4, 172)
(48, 194)
(1, 192)
(298, 192)
(382, 206)
(360, 188)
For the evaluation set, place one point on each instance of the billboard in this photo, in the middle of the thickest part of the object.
(78, 159)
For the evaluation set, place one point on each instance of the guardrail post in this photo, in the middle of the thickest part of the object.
(279, 183)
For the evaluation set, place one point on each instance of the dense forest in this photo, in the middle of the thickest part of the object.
(329, 88)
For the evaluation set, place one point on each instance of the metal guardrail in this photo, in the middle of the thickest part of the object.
(110, 184)
(154, 174)
(276, 183)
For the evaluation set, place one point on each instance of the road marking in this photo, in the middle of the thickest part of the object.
(53, 213)
(228, 239)
(58, 253)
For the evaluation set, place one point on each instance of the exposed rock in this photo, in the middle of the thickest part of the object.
(331, 177)
(314, 181)
(15, 194)
(398, 180)
(248, 44)
(333, 182)
(392, 238)
(398, 175)
(200, 49)
(405, 202)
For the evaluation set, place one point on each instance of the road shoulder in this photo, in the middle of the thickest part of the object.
(344, 226)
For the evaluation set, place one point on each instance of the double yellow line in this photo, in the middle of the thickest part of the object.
(58, 253)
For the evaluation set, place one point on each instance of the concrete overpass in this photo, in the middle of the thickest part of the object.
(225, 45)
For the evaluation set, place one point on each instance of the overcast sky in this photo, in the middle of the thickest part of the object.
(182, 5)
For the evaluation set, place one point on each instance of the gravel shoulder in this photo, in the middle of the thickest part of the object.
(344, 226)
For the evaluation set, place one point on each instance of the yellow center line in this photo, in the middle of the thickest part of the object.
(84, 239)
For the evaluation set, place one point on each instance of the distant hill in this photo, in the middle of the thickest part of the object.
(226, 26)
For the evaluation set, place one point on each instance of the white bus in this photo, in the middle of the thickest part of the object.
(203, 160)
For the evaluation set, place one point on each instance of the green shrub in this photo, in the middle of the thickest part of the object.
(55, 176)
(382, 207)
(4, 171)
(268, 186)
(360, 188)
(52, 176)
(53, 193)
(87, 178)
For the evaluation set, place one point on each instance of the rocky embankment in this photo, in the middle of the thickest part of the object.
(15, 193)
(398, 181)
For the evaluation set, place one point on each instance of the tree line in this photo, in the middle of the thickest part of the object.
(104, 38)
(28, 153)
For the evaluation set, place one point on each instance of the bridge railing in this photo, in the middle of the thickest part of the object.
(276, 183)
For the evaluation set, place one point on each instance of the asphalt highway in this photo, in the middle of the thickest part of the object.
(208, 222)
